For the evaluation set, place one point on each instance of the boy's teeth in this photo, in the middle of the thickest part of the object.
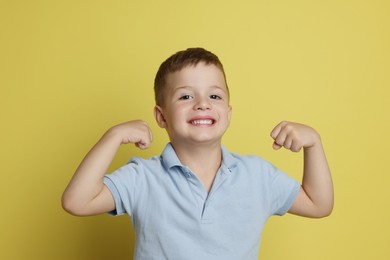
(202, 122)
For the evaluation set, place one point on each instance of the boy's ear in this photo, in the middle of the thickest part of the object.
(230, 112)
(159, 116)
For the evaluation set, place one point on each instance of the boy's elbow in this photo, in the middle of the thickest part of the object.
(323, 212)
(70, 207)
(67, 206)
(328, 212)
(76, 207)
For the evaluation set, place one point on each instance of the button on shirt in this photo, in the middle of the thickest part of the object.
(174, 217)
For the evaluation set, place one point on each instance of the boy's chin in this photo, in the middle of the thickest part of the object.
(201, 142)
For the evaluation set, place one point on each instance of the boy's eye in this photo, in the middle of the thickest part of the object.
(215, 97)
(185, 97)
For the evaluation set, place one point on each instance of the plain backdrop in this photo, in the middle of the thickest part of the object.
(69, 70)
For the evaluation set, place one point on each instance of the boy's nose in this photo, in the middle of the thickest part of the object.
(202, 105)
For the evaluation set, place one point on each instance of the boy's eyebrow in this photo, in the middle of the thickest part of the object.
(180, 88)
(191, 87)
(218, 87)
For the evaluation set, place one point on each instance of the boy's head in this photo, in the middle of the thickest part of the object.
(178, 61)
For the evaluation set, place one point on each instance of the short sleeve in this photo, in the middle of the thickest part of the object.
(121, 184)
(119, 209)
(284, 191)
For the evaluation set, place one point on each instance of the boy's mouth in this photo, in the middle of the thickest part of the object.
(202, 122)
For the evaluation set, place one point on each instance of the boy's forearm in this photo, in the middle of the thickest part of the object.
(315, 199)
(87, 181)
(86, 193)
(317, 180)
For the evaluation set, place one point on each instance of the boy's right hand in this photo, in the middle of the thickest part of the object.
(86, 193)
(135, 132)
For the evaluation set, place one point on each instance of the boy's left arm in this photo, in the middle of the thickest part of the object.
(315, 198)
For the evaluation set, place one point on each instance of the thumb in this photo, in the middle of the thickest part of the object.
(142, 145)
(276, 146)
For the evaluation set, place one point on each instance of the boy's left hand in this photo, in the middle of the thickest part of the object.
(315, 198)
(294, 136)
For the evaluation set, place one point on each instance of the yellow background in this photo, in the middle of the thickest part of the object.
(71, 69)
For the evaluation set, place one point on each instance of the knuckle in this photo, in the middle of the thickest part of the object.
(142, 122)
(296, 148)
(289, 127)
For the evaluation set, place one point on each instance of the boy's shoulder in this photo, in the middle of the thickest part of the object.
(246, 160)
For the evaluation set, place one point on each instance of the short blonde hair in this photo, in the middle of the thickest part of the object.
(178, 61)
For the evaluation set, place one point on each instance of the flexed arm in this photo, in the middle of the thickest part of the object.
(315, 199)
(86, 193)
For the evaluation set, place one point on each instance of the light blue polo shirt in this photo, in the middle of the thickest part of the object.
(175, 218)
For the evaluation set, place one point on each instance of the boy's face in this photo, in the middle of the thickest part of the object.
(196, 108)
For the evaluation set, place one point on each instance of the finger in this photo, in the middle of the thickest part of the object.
(281, 138)
(277, 129)
(296, 146)
(288, 142)
(143, 142)
(147, 131)
(142, 145)
(275, 146)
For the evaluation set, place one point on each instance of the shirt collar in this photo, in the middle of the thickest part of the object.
(228, 160)
(170, 158)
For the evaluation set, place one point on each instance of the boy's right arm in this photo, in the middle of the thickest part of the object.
(86, 193)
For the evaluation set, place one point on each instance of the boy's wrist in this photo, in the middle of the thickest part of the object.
(113, 134)
(317, 143)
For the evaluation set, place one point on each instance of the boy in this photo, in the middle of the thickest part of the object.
(197, 200)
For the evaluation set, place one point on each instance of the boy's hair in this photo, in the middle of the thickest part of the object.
(178, 61)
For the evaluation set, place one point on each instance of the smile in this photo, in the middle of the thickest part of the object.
(202, 122)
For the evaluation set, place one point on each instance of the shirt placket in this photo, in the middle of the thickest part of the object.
(203, 198)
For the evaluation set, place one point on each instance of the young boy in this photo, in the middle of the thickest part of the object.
(197, 200)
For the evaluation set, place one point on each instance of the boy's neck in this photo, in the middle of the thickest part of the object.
(203, 160)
